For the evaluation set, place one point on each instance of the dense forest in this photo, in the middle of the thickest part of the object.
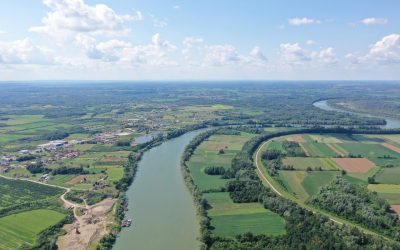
(357, 204)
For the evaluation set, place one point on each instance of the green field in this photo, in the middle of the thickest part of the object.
(317, 179)
(385, 188)
(230, 219)
(207, 155)
(15, 192)
(292, 181)
(23, 228)
(301, 163)
(318, 149)
(368, 150)
(388, 176)
(389, 192)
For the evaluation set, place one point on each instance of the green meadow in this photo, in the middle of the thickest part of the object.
(23, 228)
(230, 219)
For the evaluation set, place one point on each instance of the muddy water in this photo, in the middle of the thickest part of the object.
(391, 123)
(159, 203)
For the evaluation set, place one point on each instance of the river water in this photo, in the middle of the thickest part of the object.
(391, 123)
(162, 209)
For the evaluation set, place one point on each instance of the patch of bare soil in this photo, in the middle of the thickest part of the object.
(296, 138)
(396, 208)
(87, 228)
(354, 165)
(392, 147)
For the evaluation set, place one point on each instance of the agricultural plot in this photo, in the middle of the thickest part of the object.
(230, 219)
(316, 149)
(354, 165)
(315, 180)
(389, 192)
(292, 182)
(23, 228)
(207, 155)
(368, 150)
(388, 176)
(15, 192)
(302, 163)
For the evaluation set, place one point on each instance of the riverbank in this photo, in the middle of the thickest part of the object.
(391, 123)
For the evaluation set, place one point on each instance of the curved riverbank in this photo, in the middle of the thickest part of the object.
(162, 209)
(391, 123)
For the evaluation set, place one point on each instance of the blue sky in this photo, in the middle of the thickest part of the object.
(207, 39)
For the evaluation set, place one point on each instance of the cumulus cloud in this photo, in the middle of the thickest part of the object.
(78, 17)
(374, 21)
(303, 21)
(327, 56)
(257, 53)
(120, 51)
(24, 52)
(383, 52)
(292, 53)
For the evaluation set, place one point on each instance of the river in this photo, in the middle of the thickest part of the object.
(391, 123)
(162, 209)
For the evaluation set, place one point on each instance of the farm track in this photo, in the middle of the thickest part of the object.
(268, 180)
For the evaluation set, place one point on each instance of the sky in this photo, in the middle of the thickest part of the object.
(199, 40)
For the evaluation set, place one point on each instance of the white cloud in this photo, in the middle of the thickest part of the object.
(123, 52)
(374, 21)
(310, 42)
(188, 44)
(302, 21)
(75, 16)
(2, 32)
(177, 7)
(219, 55)
(159, 23)
(327, 56)
(384, 52)
(257, 53)
(24, 52)
(292, 53)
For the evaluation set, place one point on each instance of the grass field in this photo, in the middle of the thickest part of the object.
(230, 219)
(385, 188)
(389, 192)
(301, 163)
(207, 155)
(368, 150)
(317, 179)
(318, 149)
(23, 228)
(388, 176)
(292, 180)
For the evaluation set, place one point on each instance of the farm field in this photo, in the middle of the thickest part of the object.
(375, 152)
(207, 155)
(16, 192)
(388, 175)
(23, 228)
(230, 219)
(303, 184)
(301, 163)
